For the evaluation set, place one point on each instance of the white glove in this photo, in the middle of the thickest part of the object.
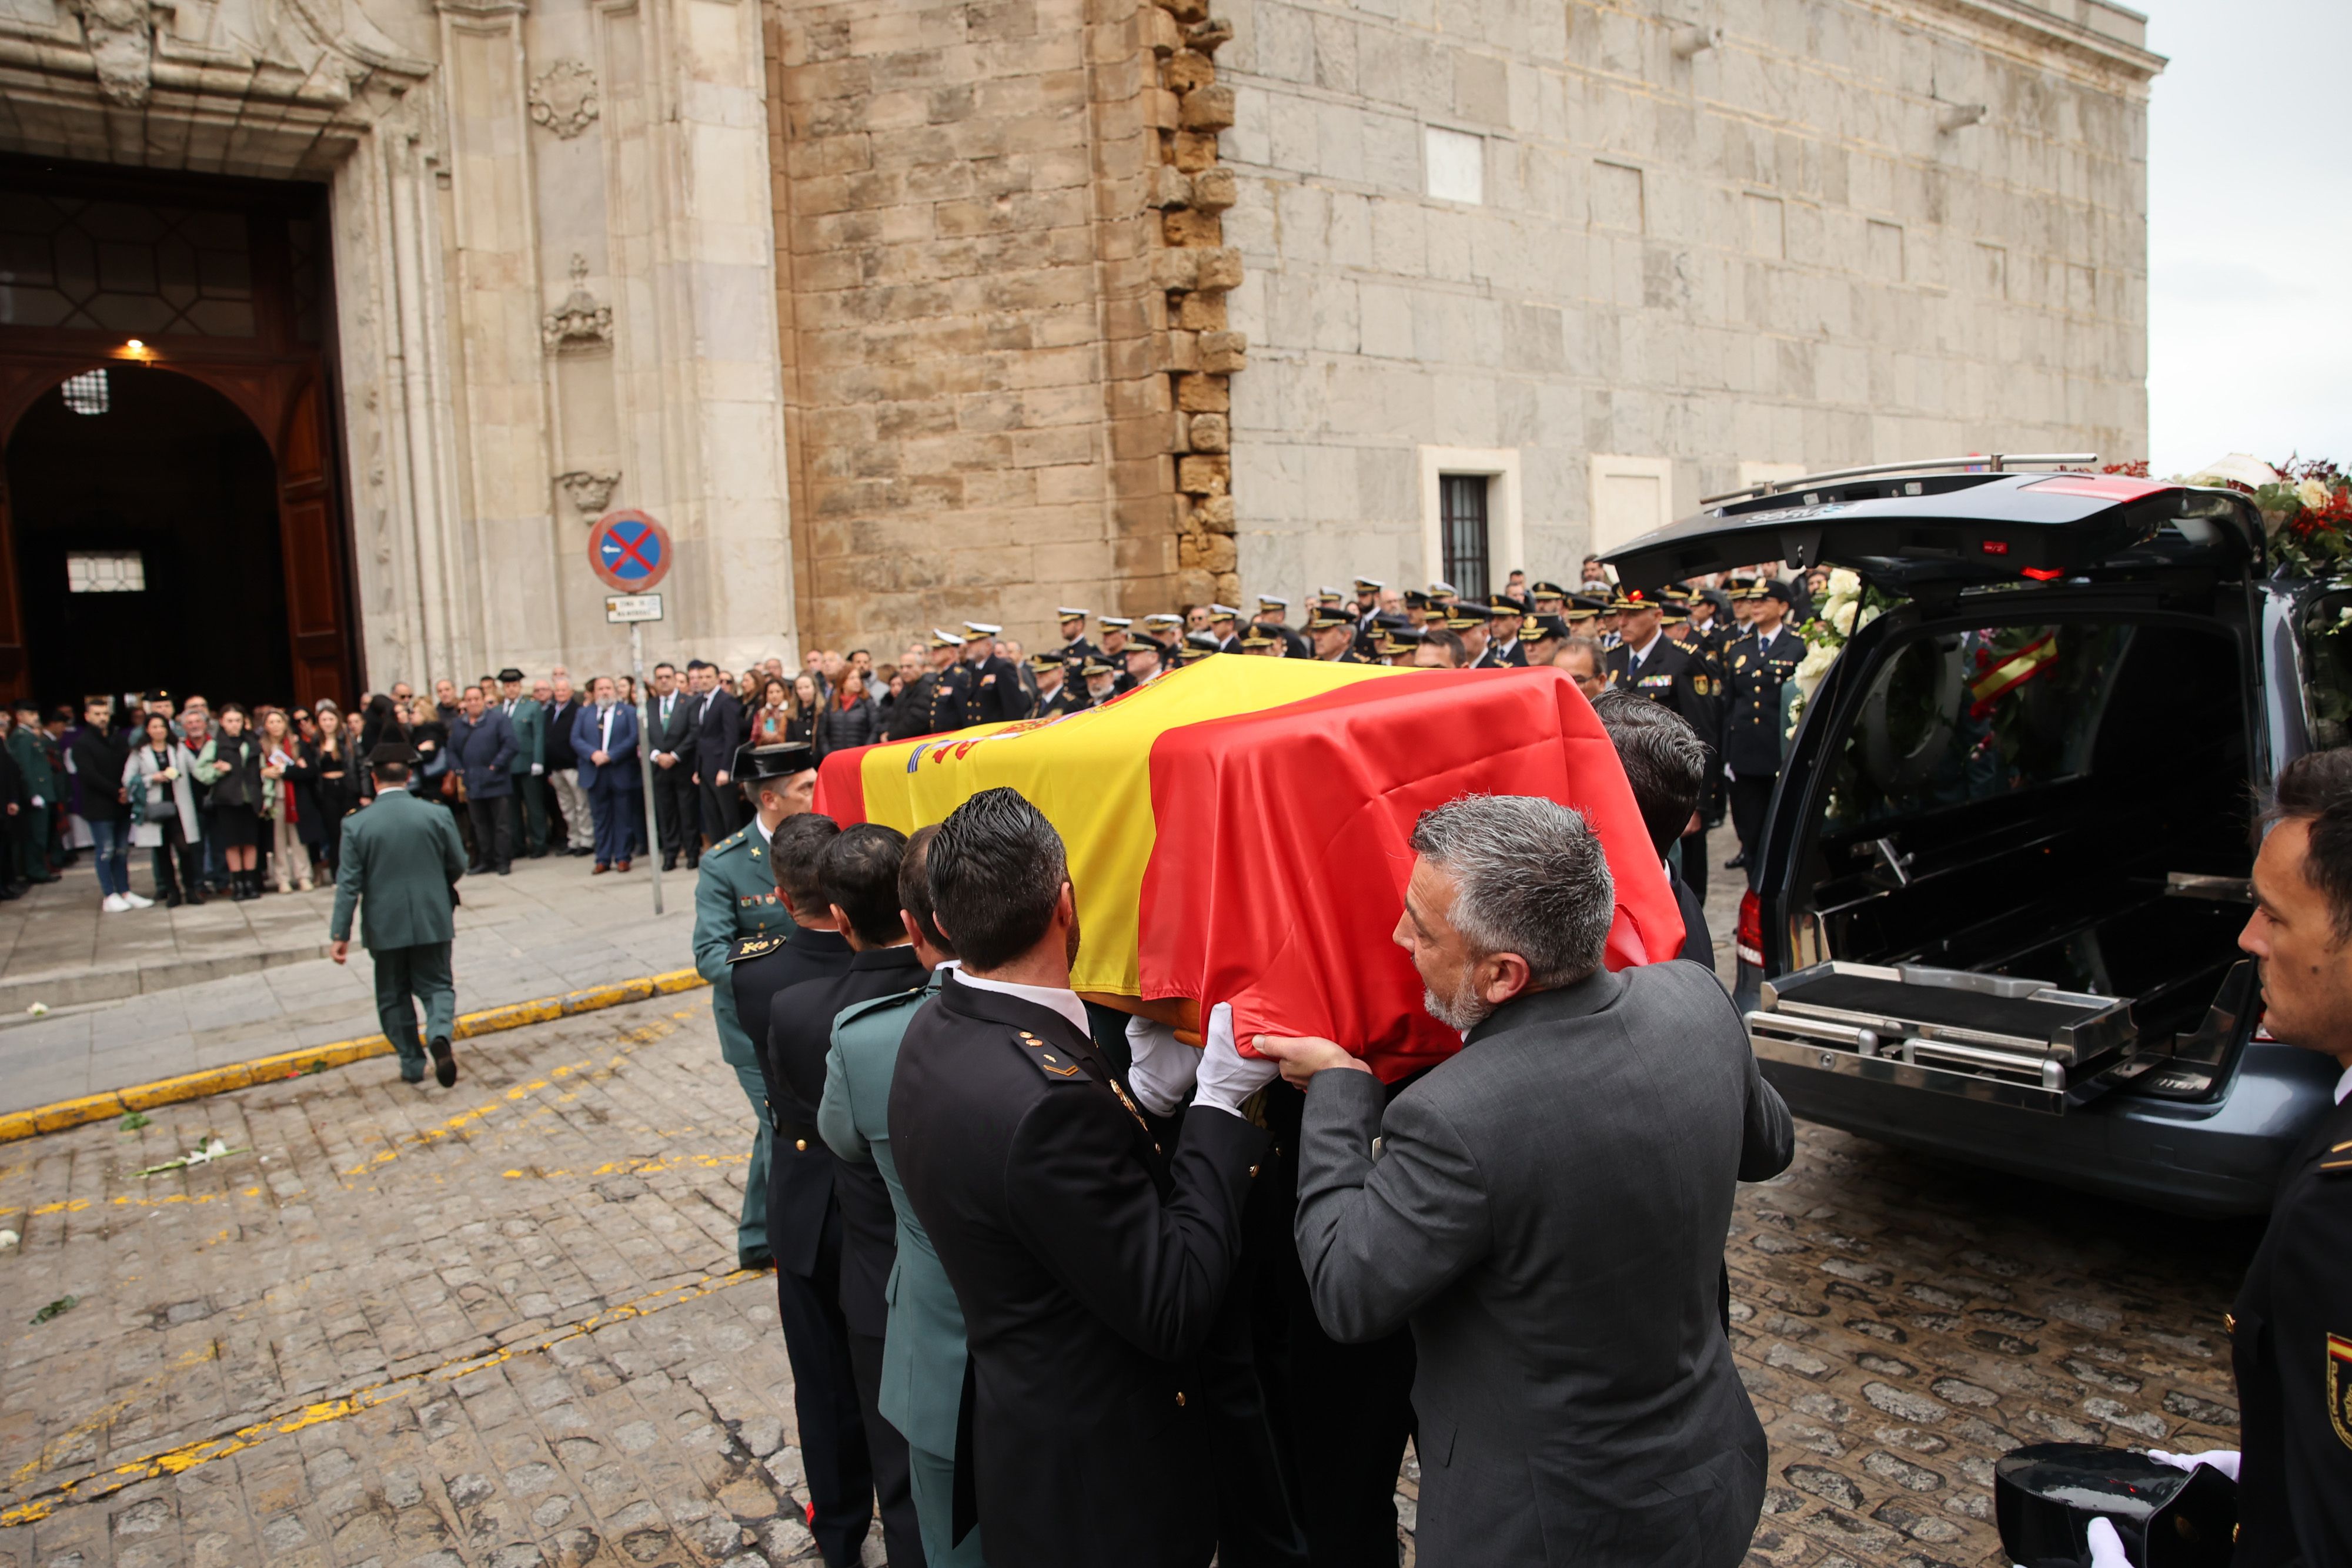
(537, 769)
(1164, 1067)
(2106, 1546)
(1226, 1081)
(39, 802)
(2222, 1460)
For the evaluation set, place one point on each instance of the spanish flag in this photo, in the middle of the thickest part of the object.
(1238, 829)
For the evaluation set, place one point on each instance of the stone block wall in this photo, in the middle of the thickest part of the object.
(1782, 245)
(1000, 290)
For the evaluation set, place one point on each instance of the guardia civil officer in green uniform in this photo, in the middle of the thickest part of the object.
(735, 901)
(30, 748)
(402, 858)
(530, 765)
(921, 1392)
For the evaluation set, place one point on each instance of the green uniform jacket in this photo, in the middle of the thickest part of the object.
(401, 854)
(923, 1350)
(734, 898)
(33, 760)
(529, 722)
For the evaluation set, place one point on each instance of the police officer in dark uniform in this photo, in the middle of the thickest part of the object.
(1075, 649)
(1503, 651)
(919, 709)
(1091, 1258)
(1368, 601)
(1650, 663)
(1754, 670)
(2291, 1326)
(992, 692)
(1333, 630)
(1118, 636)
(1225, 628)
(1547, 599)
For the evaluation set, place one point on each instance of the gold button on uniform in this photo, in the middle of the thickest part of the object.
(801, 1143)
(2230, 1322)
(1180, 1398)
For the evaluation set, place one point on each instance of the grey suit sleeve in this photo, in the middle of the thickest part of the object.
(1377, 1239)
(1768, 1139)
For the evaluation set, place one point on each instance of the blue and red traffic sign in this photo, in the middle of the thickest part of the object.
(629, 551)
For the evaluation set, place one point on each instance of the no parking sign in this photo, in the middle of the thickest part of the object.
(628, 551)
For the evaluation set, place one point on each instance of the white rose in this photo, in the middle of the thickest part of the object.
(1844, 584)
(1843, 618)
(1866, 617)
(2311, 494)
(1816, 664)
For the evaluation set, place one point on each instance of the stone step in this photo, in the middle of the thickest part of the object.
(113, 982)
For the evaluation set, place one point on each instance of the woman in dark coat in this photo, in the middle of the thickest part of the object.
(333, 787)
(848, 718)
(231, 765)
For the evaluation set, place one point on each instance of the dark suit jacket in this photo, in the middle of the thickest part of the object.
(1548, 1210)
(800, 1181)
(1087, 1267)
(677, 735)
(482, 751)
(587, 729)
(717, 737)
(2291, 1344)
(800, 1033)
(559, 734)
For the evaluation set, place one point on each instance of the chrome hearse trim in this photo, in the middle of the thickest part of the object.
(2077, 1061)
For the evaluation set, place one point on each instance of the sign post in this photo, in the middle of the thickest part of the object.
(629, 553)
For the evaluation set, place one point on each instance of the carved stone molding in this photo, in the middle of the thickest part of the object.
(121, 41)
(590, 491)
(564, 99)
(582, 322)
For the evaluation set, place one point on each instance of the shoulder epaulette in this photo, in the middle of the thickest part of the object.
(874, 1005)
(1049, 1059)
(728, 842)
(2338, 1159)
(753, 947)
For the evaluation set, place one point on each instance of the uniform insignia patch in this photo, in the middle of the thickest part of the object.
(2340, 1387)
(1051, 1062)
(2339, 1158)
(755, 854)
(753, 947)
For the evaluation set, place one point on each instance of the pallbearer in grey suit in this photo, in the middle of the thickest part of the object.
(1548, 1210)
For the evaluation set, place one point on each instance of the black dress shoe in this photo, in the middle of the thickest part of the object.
(445, 1065)
(669, 860)
(1735, 861)
(506, 870)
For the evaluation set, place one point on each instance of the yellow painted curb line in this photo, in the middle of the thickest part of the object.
(17, 1126)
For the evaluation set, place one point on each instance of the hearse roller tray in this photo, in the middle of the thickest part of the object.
(2000, 1037)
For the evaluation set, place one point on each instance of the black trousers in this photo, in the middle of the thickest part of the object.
(493, 831)
(678, 811)
(719, 818)
(833, 1453)
(1750, 797)
(189, 873)
(894, 1492)
(1340, 1413)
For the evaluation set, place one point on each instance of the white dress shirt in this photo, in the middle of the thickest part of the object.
(1062, 999)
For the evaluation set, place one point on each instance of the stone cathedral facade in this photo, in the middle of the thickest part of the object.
(897, 313)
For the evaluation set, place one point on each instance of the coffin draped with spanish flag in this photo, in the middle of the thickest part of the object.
(1238, 829)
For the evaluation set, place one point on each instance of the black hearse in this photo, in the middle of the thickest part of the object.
(1996, 909)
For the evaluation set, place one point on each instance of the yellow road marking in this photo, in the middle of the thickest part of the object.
(19, 1125)
(204, 1452)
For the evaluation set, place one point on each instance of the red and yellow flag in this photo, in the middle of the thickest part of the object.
(1238, 829)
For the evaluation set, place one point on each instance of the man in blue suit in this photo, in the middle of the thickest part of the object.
(482, 748)
(604, 739)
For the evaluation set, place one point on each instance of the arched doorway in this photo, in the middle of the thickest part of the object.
(144, 506)
(166, 367)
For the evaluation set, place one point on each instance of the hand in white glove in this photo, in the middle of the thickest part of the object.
(2222, 1460)
(537, 769)
(2106, 1546)
(1164, 1067)
(1225, 1080)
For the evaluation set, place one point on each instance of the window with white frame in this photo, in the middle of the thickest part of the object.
(106, 571)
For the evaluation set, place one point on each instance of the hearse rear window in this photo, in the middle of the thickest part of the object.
(1959, 716)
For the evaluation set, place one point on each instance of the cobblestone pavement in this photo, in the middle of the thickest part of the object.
(498, 1325)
